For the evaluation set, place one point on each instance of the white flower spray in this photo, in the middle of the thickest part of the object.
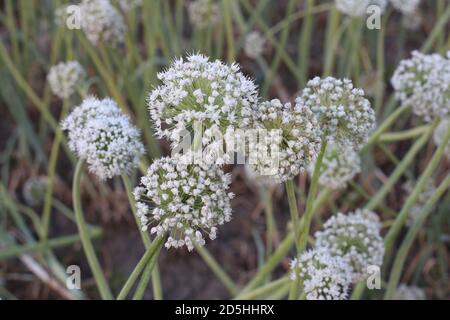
(423, 83)
(102, 22)
(406, 7)
(405, 292)
(65, 77)
(355, 237)
(104, 137)
(254, 44)
(203, 13)
(340, 165)
(324, 277)
(300, 139)
(183, 200)
(345, 116)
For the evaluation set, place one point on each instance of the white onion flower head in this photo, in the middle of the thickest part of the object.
(344, 114)
(339, 166)
(294, 140)
(34, 190)
(102, 22)
(423, 83)
(65, 77)
(439, 134)
(254, 44)
(358, 8)
(356, 238)
(324, 277)
(406, 7)
(197, 90)
(104, 137)
(203, 13)
(183, 200)
(405, 292)
(422, 199)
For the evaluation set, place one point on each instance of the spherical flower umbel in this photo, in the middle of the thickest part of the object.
(203, 13)
(196, 90)
(421, 201)
(340, 165)
(356, 238)
(407, 7)
(324, 277)
(34, 190)
(405, 292)
(104, 137)
(102, 22)
(344, 114)
(423, 83)
(65, 77)
(283, 156)
(358, 8)
(183, 200)
(254, 44)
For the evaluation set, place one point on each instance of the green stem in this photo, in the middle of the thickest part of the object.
(290, 190)
(102, 285)
(282, 249)
(148, 272)
(7, 253)
(400, 169)
(410, 236)
(403, 135)
(146, 258)
(266, 289)
(156, 279)
(218, 271)
(403, 215)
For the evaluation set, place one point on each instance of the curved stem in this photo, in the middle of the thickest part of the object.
(410, 236)
(156, 279)
(403, 215)
(102, 285)
(146, 258)
(218, 271)
(266, 289)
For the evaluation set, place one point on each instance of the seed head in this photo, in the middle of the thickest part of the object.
(356, 238)
(183, 200)
(324, 277)
(104, 137)
(423, 83)
(340, 165)
(102, 22)
(297, 141)
(344, 114)
(65, 77)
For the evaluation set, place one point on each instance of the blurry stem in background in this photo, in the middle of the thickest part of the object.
(39, 247)
(156, 280)
(438, 28)
(152, 251)
(271, 231)
(277, 59)
(305, 42)
(149, 271)
(282, 249)
(102, 284)
(217, 269)
(377, 199)
(404, 135)
(51, 174)
(334, 31)
(410, 236)
(264, 290)
(355, 28)
(293, 210)
(420, 186)
(229, 31)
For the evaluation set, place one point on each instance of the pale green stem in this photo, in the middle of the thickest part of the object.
(156, 281)
(264, 290)
(410, 236)
(145, 278)
(217, 269)
(403, 135)
(420, 186)
(146, 258)
(102, 284)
